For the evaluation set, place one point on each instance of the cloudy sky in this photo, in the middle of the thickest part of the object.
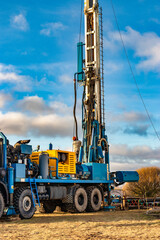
(37, 62)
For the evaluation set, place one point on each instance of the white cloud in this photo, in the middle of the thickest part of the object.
(65, 79)
(13, 123)
(155, 20)
(139, 154)
(37, 117)
(4, 98)
(6, 68)
(60, 108)
(37, 105)
(19, 22)
(146, 47)
(57, 71)
(9, 74)
(55, 125)
(136, 123)
(9, 77)
(129, 117)
(50, 29)
(134, 117)
(118, 166)
(57, 121)
(33, 104)
(111, 67)
(52, 125)
(110, 44)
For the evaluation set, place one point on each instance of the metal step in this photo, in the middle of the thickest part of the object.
(35, 196)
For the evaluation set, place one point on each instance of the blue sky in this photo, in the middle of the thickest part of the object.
(37, 62)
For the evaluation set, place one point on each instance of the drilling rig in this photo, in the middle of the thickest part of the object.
(76, 181)
(94, 147)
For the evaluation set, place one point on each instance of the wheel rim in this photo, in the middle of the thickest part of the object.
(95, 199)
(27, 203)
(81, 199)
(1, 205)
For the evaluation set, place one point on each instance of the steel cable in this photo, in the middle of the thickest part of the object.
(140, 95)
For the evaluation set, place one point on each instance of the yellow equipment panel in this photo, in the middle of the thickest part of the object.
(66, 167)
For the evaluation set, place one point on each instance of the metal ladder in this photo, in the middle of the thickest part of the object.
(34, 192)
(102, 66)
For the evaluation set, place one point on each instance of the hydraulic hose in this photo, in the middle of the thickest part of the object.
(74, 108)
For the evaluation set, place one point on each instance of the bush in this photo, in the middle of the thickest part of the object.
(148, 184)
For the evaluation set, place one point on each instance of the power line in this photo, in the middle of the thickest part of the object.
(147, 112)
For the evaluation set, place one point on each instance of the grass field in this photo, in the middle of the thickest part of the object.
(133, 224)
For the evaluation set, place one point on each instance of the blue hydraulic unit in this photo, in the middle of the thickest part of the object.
(125, 176)
(80, 62)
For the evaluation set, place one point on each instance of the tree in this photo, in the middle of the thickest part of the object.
(148, 184)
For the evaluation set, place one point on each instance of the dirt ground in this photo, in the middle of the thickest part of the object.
(133, 224)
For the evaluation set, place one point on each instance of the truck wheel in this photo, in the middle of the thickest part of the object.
(49, 206)
(94, 199)
(64, 207)
(2, 205)
(23, 203)
(80, 200)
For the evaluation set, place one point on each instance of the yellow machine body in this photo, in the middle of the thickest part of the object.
(67, 167)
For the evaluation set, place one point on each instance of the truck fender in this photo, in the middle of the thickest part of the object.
(4, 190)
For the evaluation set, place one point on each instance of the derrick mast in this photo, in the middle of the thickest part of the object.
(89, 75)
(92, 60)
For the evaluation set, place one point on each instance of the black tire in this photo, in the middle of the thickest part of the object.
(80, 200)
(2, 204)
(49, 206)
(23, 203)
(94, 199)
